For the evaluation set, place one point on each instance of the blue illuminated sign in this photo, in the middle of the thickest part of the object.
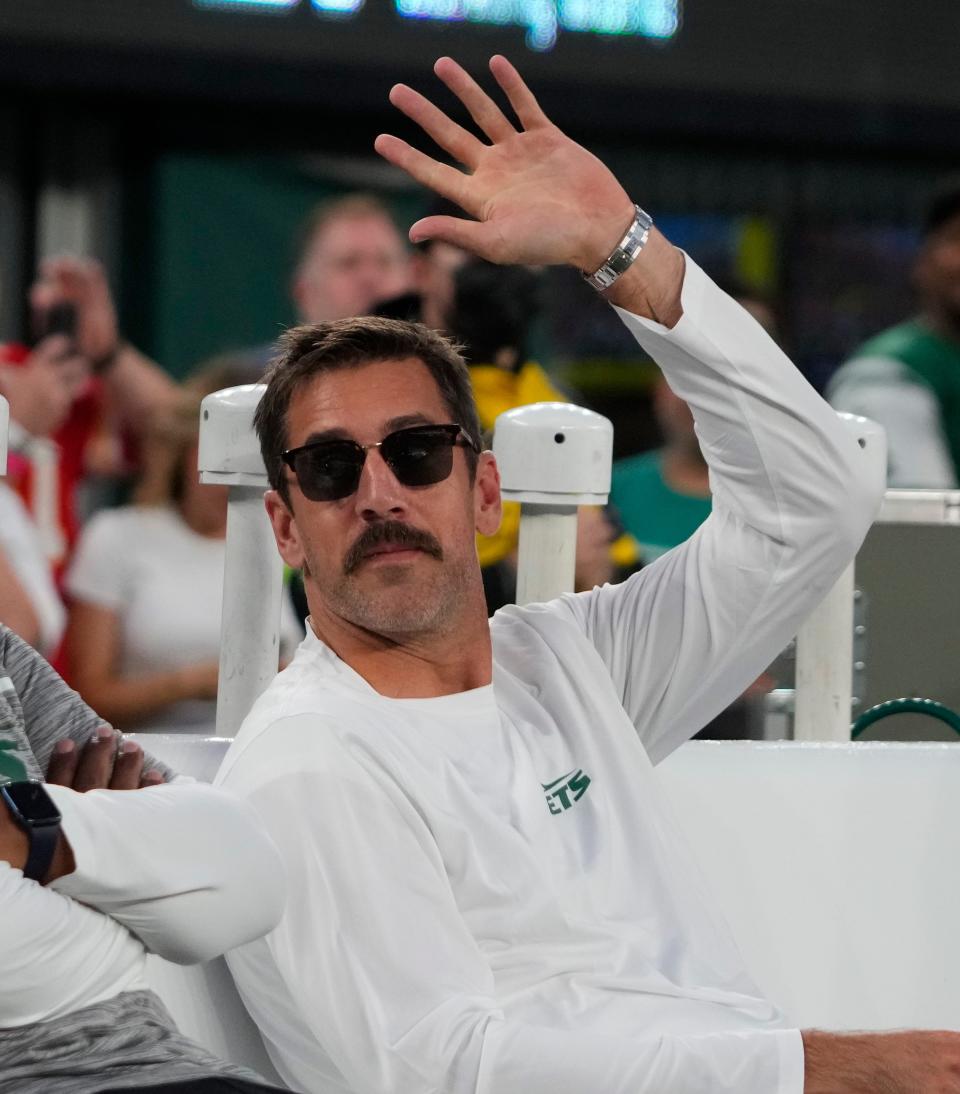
(543, 19)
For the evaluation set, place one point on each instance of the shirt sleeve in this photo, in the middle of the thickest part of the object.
(98, 573)
(885, 390)
(56, 954)
(185, 867)
(382, 968)
(793, 498)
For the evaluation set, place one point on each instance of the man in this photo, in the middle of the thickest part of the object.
(486, 891)
(352, 257)
(908, 377)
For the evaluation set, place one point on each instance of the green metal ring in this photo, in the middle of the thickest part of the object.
(929, 707)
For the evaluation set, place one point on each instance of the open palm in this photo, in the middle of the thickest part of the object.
(537, 196)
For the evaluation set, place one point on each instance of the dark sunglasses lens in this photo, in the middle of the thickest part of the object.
(329, 472)
(420, 458)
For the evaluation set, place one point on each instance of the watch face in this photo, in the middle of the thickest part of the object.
(31, 802)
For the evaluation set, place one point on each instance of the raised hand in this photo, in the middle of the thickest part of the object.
(82, 282)
(536, 196)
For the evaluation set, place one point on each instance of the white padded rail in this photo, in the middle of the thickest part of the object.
(835, 864)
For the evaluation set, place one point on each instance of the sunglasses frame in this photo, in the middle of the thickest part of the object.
(458, 437)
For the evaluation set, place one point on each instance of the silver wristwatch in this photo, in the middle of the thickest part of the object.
(624, 254)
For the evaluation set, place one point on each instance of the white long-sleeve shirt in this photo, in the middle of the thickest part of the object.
(487, 892)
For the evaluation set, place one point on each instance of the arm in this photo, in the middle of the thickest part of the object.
(791, 495)
(888, 392)
(16, 608)
(384, 974)
(93, 653)
(137, 387)
(793, 498)
(187, 868)
(56, 955)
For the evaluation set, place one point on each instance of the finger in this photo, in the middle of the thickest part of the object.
(82, 277)
(96, 762)
(54, 349)
(128, 767)
(468, 235)
(521, 98)
(43, 295)
(482, 108)
(63, 763)
(153, 777)
(446, 181)
(451, 137)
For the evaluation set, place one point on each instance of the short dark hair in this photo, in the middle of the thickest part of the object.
(308, 351)
(943, 206)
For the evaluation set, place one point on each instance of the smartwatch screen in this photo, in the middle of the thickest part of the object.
(32, 802)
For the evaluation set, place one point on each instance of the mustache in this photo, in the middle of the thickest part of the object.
(392, 532)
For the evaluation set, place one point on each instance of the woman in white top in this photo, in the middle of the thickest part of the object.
(143, 638)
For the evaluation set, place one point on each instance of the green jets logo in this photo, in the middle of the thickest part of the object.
(565, 791)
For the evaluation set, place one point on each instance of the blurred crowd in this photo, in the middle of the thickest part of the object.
(124, 599)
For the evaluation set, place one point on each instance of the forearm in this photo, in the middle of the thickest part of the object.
(912, 1062)
(185, 867)
(56, 954)
(137, 386)
(16, 609)
(779, 458)
(126, 700)
(793, 496)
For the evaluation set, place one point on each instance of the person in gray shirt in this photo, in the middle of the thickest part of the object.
(171, 866)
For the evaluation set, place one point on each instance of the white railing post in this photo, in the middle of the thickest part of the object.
(824, 684)
(229, 456)
(552, 457)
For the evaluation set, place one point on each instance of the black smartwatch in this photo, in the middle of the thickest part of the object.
(33, 809)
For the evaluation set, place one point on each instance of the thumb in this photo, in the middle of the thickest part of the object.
(480, 239)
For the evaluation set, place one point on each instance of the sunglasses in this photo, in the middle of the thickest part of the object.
(419, 456)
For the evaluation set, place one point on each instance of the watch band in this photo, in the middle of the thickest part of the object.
(43, 842)
(33, 811)
(624, 254)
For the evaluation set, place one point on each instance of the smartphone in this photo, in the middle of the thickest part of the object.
(59, 319)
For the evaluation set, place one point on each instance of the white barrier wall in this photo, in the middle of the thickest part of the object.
(835, 864)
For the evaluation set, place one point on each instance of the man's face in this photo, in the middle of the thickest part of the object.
(394, 560)
(938, 269)
(352, 264)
